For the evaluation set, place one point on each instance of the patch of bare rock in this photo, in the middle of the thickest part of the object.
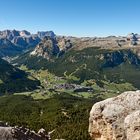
(21, 133)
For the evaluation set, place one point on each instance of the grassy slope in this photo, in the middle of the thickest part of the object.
(14, 80)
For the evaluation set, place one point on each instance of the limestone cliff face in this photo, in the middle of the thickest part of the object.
(52, 47)
(47, 48)
(118, 57)
(116, 118)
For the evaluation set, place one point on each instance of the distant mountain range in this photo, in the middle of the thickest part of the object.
(13, 42)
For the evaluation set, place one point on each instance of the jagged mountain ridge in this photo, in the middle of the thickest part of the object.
(21, 40)
(24, 40)
(11, 34)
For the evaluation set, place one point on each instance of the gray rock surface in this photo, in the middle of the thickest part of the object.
(49, 47)
(21, 133)
(132, 126)
(111, 119)
(6, 133)
(46, 48)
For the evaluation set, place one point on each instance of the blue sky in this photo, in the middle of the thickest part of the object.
(72, 17)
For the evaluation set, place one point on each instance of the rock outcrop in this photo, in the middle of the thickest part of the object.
(116, 118)
(22, 133)
(51, 47)
(64, 43)
(118, 57)
(132, 126)
(46, 48)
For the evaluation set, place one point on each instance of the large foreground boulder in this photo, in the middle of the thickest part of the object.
(116, 118)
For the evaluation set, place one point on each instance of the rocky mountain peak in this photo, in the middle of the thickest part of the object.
(13, 42)
(9, 34)
(24, 33)
(52, 47)
(64, 43)
(42, 34)
(46, 48)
